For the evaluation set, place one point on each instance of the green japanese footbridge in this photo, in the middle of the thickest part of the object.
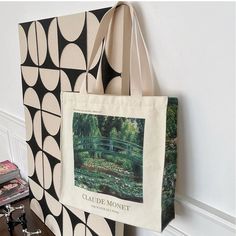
(115, 147)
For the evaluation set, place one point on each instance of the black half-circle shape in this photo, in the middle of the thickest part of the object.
(48, 63)
(46, 24)
(26, 27)
(94, 71)
(73, 74)
(40, 89)
(28, 61)
(108, 73)
(25, 86)
(74, 219)
(62, 42)
(81, 41)
(100, 12)
(44, 206)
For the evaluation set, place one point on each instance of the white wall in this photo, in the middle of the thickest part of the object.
(192, 47)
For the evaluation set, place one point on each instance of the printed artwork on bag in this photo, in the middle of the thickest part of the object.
(108, 155)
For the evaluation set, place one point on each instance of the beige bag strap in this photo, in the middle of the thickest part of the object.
(125, 74)
(147, 77)
(141, 77)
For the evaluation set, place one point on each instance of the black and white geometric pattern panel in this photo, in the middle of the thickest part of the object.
(54, 57)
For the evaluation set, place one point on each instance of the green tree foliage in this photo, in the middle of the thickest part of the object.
(85, 125)
(171, 128)
(114, 134)
(169, 178)
(140, 124)
(129, 131)
(107, 123)
(137, 169)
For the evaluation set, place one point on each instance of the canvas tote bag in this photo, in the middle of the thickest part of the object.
(119, 152)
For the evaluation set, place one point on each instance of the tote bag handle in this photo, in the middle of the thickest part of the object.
(139, 72)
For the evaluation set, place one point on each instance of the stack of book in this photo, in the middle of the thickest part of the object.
(12, 186)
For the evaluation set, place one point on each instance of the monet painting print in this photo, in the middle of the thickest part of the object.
(108, 155)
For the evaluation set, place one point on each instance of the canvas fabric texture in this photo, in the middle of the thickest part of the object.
(54, 55)
(119, 152)
(156, 197)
